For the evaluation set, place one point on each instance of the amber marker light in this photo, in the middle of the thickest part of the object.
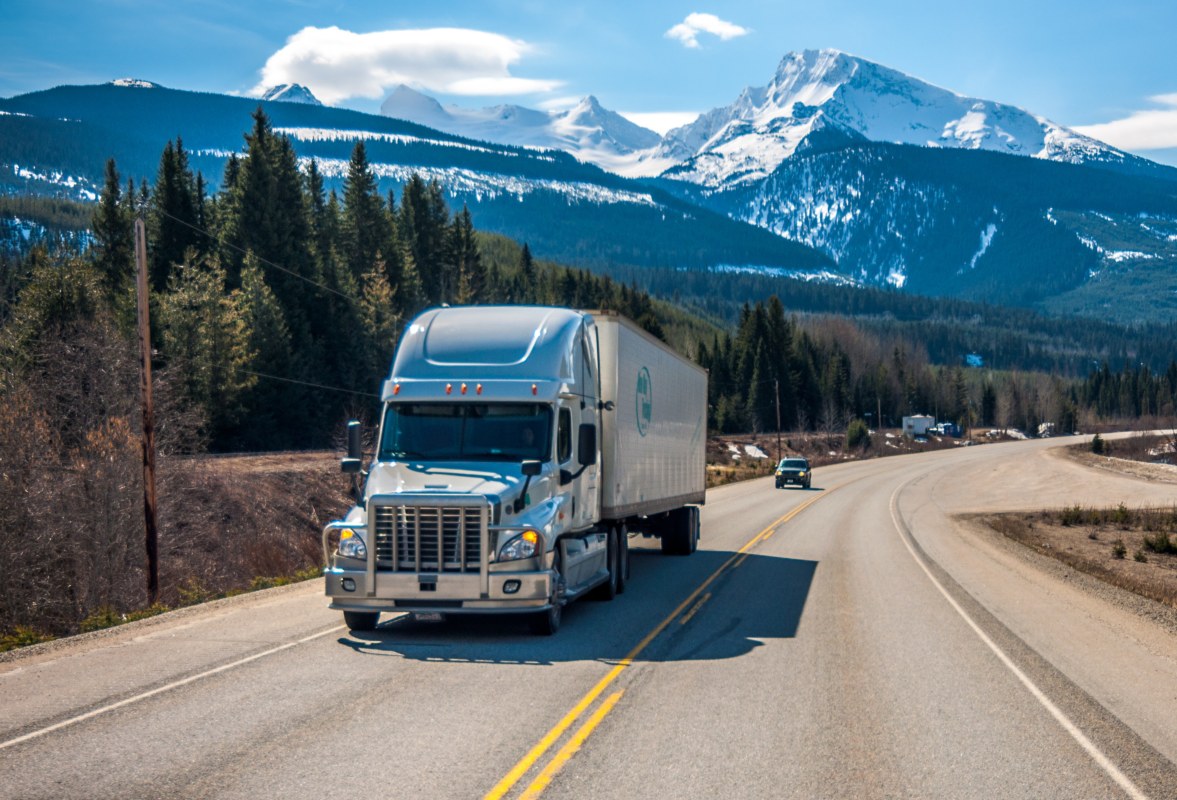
(534, 389)
(449, 388)
(396, 389)
(463, 388)
(478, 389)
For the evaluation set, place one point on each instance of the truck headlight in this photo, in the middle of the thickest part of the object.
(526, 545)
(351, 545)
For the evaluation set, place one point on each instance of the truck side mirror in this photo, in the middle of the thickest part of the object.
(586, 451)
(353, 464)
(531, 467)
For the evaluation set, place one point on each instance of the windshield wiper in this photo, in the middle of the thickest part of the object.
(402, 454)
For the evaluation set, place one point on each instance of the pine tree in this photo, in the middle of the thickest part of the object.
(268, 340)
(206, 341)
(527, 276)
(366, 226)
(172, 220)
(423, 222)
(471, 274)
(114, 233)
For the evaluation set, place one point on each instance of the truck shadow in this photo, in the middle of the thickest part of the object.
(747, 599)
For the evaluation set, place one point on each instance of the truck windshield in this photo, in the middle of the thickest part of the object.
(467, 431)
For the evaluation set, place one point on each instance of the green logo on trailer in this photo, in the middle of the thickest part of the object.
(645, 401)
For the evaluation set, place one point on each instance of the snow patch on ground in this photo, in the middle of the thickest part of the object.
(897, 277)
(754, 451)
(810, 276)
(76, 184)
(986, 240)
(1128, 255)
(332, 135)
(485, 185)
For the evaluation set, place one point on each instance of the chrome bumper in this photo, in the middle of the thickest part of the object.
(449, 594)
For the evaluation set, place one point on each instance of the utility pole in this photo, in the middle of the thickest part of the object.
(148, 413)
(777, 384)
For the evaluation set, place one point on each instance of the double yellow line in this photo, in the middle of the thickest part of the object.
(574, 743)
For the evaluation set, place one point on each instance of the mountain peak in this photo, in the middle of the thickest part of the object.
(838, 96)
(291, 93)
(134, 83)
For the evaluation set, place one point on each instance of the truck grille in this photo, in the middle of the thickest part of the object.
(429, 538)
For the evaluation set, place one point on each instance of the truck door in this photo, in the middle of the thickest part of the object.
(586, 413)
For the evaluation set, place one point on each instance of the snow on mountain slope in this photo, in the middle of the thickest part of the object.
(834, 94)
(587, 131)
(291, 93)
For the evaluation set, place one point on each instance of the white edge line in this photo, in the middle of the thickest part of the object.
(167, 688)
(1096, 754)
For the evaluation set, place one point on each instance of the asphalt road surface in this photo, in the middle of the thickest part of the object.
(850, 641)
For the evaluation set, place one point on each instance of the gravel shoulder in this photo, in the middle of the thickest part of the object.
(1085, 554)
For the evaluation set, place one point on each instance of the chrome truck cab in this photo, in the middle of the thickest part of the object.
(483, 492)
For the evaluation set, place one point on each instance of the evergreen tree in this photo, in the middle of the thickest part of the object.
(114, 233)
(270, 357)
(423, 222)
(471, 274)
(527, 276)
(205, 341)
(172, 219)
(366, 226)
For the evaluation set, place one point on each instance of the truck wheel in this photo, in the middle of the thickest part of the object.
(680, 532)
(608, 590)
(361, 620)
(546, 623)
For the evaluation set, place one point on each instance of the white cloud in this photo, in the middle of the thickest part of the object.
(337, 64)
(689, 29)
(660, 121)
(1151, 129)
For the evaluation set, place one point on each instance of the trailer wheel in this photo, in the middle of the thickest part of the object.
(546, 623)
(680, 531)
(361, 620)
(609, 589)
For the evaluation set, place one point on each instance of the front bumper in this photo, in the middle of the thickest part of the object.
(449, 594)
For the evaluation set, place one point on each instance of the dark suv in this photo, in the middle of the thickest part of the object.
(793, 470)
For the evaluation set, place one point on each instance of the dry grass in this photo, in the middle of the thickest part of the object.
(1134, 549)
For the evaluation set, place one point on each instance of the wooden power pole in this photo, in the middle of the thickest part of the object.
(148, 413)
(777, 383)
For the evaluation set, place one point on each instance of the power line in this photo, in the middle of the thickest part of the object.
(265, 261)
(307, 383)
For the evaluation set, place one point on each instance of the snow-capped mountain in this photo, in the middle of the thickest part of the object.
(291, 93)
(819, 98)
(134, 83)
(588, 131)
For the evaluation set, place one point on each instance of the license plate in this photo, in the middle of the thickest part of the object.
(433, 616)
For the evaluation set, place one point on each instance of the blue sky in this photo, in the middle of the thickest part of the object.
(1112, 66)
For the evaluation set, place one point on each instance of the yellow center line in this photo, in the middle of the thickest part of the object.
(569, 750)
(687, 616)
(543, 745)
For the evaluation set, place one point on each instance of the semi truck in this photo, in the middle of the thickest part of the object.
(519, 449)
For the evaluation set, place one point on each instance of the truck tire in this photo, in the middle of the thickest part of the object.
(546, 623)
(361, 620)
(680, 531)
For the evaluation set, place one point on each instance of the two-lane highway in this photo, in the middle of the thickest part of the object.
(848, 641)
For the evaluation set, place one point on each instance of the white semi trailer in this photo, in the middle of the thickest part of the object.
(519, 449)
